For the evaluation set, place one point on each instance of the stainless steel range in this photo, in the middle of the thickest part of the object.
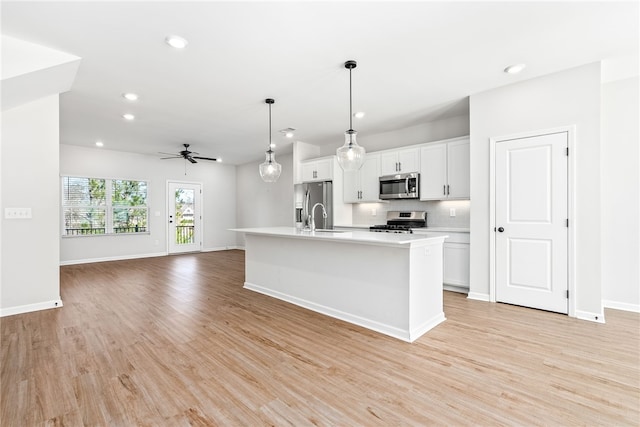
(402, 222)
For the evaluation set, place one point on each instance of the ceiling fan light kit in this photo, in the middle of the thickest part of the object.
(270, 170)
(350, 155)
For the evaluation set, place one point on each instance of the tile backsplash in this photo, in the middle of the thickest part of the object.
(438, 212)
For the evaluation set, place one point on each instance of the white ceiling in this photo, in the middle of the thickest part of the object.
(417, 62)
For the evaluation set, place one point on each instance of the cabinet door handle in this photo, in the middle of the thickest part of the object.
(399, 166)
(444, 190)
(448, 190)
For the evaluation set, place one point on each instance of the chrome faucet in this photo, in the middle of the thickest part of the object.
(313, 220)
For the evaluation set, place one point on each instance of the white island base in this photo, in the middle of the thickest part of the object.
(389, 283)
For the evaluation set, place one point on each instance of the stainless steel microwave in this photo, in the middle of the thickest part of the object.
(400, 186)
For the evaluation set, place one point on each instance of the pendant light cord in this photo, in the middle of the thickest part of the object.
(350, 103)
(269, 150)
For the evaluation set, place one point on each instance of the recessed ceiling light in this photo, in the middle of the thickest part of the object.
(128, 116)
(176, 42)
(288, 132)
(219, 160)
(99, 144)
(272, 145)
(359, 114)
(514, 69)
(129, 96)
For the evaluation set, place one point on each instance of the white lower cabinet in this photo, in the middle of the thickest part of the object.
(455, 259)
(456, 265)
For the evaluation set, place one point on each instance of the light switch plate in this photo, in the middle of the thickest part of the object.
(452, 212)
(17, 213)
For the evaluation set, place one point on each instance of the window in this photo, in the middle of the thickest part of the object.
(103, 206)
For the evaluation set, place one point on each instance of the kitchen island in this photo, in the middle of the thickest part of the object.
(389, 283)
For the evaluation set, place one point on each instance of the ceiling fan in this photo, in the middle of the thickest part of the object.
(187, 155)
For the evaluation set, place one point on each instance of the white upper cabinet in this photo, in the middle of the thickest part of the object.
(400, 161)
(433, 173)
(458, 169)
(444, 173)
(317, 170)
(362, 186)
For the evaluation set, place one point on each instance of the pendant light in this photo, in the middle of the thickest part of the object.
(270, 170)
(350, 155)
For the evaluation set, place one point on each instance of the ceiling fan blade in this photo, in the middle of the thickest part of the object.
(191, 160)
(205, 158)
(172, 157)
(168, 154)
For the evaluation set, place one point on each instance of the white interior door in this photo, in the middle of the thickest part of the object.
(184, 217)
(531, 222)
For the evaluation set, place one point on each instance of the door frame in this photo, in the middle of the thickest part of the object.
(571, 184)
(167, 207)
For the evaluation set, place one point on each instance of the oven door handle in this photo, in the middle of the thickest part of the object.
(406, 185)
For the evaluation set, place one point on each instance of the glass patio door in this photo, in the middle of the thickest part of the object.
(184, 217)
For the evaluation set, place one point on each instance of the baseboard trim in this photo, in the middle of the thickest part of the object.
(478, 296)
(455, 288)
(592, 317)
(220, 248)
(416, 333)
(112, 258)
(635, 308)
(392, 331)
(28, 308)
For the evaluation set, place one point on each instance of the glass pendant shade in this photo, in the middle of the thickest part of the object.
(270, 170)
(350, 155)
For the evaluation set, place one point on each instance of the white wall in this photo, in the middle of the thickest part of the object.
(620, 195)
(30, 251)
(570, 97)
(219, 202)
(263, 204)
(451, 127)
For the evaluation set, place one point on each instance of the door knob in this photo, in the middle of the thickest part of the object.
(500, 229)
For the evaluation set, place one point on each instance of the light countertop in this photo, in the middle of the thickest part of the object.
(356, 236)
(442, 229)
(425, 229)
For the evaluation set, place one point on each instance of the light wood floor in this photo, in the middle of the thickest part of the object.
(177, 341)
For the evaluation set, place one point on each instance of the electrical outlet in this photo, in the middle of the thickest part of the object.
(452, 212)
(17, 213)
(373, 212)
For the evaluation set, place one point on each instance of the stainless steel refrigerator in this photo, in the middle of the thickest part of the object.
(318, 192)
